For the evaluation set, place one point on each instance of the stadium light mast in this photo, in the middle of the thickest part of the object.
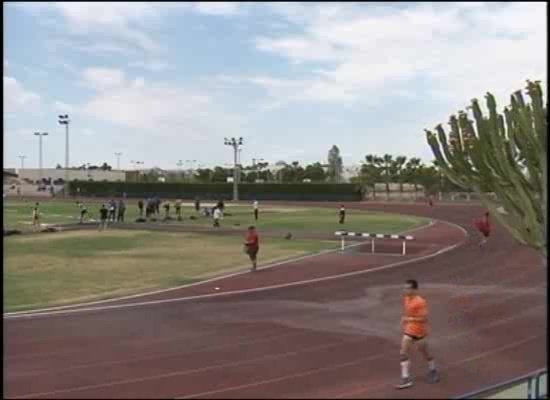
(118, 160)
(191, 168)
(40, 136)
(22, 158)
(64, 120)
(135, 164)
(236, 144)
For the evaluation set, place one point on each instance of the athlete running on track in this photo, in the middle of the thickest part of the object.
(415, 331)
(483, 225)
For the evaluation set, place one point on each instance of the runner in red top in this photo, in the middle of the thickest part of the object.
(483, 225)
(252, 246)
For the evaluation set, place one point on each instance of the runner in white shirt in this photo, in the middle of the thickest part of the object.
(217, 217)
(255, 205)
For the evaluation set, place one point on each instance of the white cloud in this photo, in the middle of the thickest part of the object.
(103, 78)
(148, 106)
(89, 46)
(138, 82)
(39, 73)
(114, 21)
(217, 7)
(460, 50)
(154, 66)
(122, 26)
(16, 98)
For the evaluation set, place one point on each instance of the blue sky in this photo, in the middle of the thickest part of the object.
(162, 82)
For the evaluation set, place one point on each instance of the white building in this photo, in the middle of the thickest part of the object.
(33, 174)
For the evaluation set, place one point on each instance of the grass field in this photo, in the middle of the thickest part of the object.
(63, 268)
(71, 267)
(17, 214)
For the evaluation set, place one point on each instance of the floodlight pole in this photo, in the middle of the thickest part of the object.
(235, 144)
(118, 160)
(22, 161)
(40, 136)
(64, 120)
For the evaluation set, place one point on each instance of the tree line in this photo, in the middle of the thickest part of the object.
(387, 169)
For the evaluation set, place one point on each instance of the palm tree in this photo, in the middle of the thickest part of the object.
(398, 172)
(371, 171)
(387, 165)
(412, 169)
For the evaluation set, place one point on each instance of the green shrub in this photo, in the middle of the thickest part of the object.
(247, 191)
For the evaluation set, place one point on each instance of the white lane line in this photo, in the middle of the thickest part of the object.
(348, 364)
(243, 291)
(463, 334)
(245, 270)
(223, 365)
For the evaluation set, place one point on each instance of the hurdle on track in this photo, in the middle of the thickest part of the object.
(373, 236)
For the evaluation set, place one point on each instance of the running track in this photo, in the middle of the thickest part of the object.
(335, 338)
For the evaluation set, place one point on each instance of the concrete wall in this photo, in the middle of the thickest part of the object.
(85, 175)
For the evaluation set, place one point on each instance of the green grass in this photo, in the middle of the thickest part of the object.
(71, 267)
(17, 214)
(63, 268)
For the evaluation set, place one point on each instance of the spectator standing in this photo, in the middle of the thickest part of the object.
(103, 214)
(121, 211)
(342, 214)
(112, 211)
(177, 206)
(157, 205)
(256, 210)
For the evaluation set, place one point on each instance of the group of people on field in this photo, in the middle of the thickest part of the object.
(110, 212)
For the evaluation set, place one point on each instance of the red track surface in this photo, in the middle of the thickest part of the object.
(331, 338)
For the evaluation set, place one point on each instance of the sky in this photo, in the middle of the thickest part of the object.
(163, 82)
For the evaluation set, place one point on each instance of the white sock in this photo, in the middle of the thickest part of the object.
(431, 365)
(405, 369)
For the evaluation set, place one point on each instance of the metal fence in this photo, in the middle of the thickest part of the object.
(529, 386)
(419, 196)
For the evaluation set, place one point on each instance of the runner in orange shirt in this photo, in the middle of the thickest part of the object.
(415, 331)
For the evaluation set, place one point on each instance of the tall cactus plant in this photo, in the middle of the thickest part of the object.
(505, 154)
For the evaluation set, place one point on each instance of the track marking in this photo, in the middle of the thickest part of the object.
(46, 311)
(35, 314)
(334, 343)
(310, 372)
(448, 366)
(160, 356)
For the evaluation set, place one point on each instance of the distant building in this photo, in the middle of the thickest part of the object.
(55, 174)
(9, 175)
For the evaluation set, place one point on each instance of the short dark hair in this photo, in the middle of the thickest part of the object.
(413, 283)
(251, 227)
